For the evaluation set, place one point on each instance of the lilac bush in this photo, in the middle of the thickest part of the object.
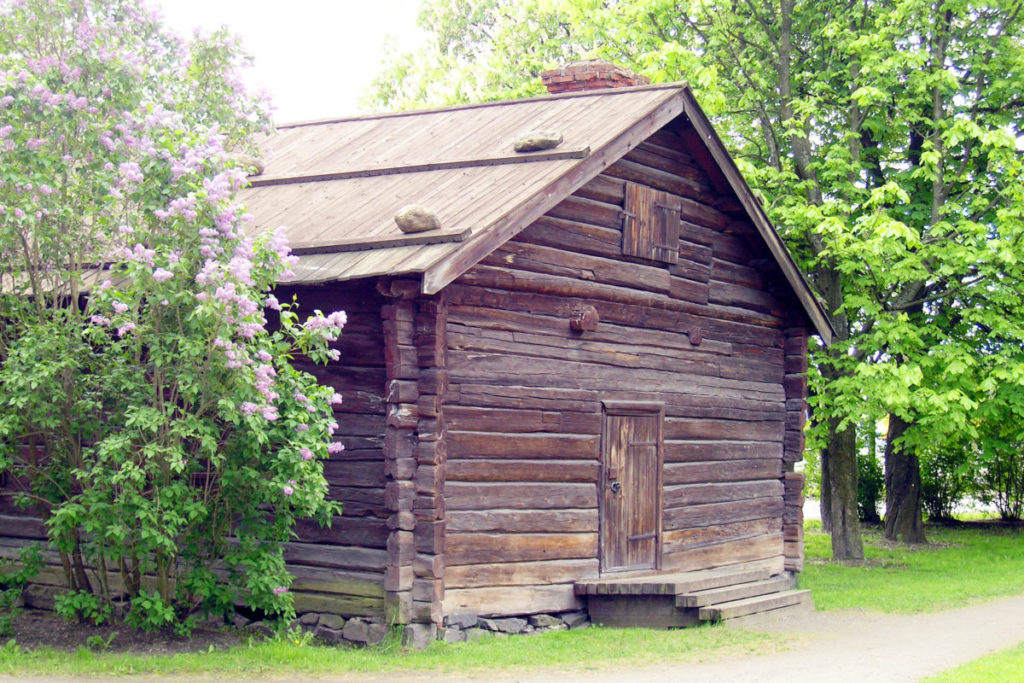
(157, 423)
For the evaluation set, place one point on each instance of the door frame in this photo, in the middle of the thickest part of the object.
(611, 408)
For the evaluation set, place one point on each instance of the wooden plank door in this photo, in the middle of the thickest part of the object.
(631, 486)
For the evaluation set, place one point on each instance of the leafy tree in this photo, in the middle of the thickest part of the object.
(885, 139)
(156, 422)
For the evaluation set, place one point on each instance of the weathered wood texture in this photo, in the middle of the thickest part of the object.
(348, 559)
(706, 331)
(415, 347)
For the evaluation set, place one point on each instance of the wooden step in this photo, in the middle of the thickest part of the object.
(719, 579)
(747, 606)
(670, 584)
(751, 589)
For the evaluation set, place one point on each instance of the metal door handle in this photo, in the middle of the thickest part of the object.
(616, 486)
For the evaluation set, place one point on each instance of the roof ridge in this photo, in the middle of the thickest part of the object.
(675, 85)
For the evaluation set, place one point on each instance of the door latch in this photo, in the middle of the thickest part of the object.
(616, 486)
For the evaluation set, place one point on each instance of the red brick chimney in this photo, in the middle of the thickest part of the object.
(593, 74)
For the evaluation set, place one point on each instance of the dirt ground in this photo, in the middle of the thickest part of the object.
(829, 646)
(43, 629)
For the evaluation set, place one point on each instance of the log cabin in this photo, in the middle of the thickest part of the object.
(582, 388)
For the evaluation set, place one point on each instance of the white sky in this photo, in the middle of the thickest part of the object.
(313, 56)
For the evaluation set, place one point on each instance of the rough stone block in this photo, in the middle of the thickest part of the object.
(418, 636)
(574, 619)
(356, 631)
(453, 635)
(310, 619)
(331, 621)
(506, 625)
(477, 634)
(545, 621)
(328, 635)
(462, 621)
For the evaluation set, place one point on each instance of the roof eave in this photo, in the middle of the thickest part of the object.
(797, 280)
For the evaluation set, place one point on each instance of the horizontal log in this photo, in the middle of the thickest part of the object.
(520, 573)
(525, 349)
(538, 398)
(361, 474)
(737, 274)
(346, 606)
(675, 496)
(728, 294)
(629, 168)
(689, 539)
(496, 368)
(604, 188)
(694, 516)
(461, 418)
(320, 580)
(562, 262)
(588, 211)
(504, 600)
(482, 548)
(23, 526)
(497, 445)
(464, 496)
(343, 378)
(689, 290)
(669, 160)
(721, 471)
(523, 521)
(670, 140)
(699, 451)
(589, 401)
(658, 341)
(765, 551)
(768, 430)
(366, 532)
(634, 307)
(719, 324)
(339, 557)
(512, 471)
(581, 238)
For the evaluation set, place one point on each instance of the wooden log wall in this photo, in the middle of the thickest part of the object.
(795, 347)
(341, 569)
(707, 336)
(416, 354)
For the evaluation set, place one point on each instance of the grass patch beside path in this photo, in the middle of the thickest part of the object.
(959, 565)
(589, 648)
(1007, 665)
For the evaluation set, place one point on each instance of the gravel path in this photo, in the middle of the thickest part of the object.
(829, 646)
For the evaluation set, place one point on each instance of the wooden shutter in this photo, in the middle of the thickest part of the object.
(651, 227)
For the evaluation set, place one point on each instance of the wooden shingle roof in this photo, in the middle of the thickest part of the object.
(335, 186)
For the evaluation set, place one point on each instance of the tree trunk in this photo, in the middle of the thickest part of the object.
(902, 488)
(842, 457)
(826, 486)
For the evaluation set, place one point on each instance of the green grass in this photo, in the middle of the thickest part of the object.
(589, 649)
(960, 565)
(1007, 665)
(963, 564)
